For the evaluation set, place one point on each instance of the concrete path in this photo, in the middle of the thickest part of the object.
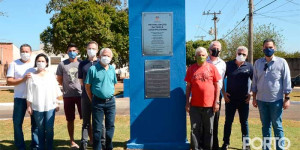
(122, 104)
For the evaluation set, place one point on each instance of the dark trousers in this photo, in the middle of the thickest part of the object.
(103, 109)
(216, 125)
(230, 109)
(86, 110)
(201, 127)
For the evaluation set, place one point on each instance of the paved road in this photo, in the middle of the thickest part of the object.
(123, 109)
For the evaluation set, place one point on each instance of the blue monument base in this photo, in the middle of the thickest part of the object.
(158, 146)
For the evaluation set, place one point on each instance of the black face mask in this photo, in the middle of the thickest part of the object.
(215, 52)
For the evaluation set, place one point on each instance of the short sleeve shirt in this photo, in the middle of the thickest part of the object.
(102, 81)
(69, 71)
(238, 80)
(17, 70)
(83, 69)
(221, 66)
(202, 80)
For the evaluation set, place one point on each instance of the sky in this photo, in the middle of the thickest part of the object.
(24, 20)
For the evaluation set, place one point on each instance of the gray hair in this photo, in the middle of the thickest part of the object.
(92, 42)
(104, 49)
(213, 43)
(200, 49)
(242, 48)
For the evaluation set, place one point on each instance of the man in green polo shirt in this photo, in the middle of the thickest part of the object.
(100, 87)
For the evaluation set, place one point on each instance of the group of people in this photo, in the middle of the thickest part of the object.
(87, 84)
(268, 82)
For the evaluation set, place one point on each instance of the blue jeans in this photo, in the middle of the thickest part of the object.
(45, 123)
(19, 111)
(100, 109)
(271, 113)
(230, 109)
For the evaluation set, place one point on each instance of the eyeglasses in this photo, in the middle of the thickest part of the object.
(242, 54)
(266, 66)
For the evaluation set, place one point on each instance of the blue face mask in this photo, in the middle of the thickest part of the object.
(269, 52)
(72, 55)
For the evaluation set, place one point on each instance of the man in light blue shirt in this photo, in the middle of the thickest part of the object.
(271, 87)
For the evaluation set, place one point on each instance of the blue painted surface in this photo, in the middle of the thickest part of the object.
(158, 123)
(126, 87)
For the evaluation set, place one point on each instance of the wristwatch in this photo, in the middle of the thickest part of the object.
(218, 102)
(287, 98)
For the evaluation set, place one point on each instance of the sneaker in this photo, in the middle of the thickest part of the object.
(224, 147)
(83, 146)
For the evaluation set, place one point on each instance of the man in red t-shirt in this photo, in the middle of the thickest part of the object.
(202, 81)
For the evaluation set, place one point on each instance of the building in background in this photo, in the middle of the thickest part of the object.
(8, 53)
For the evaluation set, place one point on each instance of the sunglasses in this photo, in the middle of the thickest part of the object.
(266, 67)
(242, 54)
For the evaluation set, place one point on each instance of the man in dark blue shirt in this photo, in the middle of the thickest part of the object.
(239, 75)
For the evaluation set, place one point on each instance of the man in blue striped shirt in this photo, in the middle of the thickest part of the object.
(271, 87)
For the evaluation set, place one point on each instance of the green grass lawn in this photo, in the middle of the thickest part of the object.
(6, 96)
(61, 141)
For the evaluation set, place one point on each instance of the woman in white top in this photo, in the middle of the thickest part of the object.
(42, 94)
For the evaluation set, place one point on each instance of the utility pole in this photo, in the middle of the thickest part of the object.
(215, 18)
(202, 36)
(250, 36)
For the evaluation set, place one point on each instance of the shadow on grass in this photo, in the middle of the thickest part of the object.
(235, 148)
(58, 144)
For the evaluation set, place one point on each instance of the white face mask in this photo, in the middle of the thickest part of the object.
(105, 60)
(25, 56)
(91, 52)
(240, 58)
(41, 65)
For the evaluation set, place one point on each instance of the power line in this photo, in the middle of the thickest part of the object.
(293, 10)
(224, 25)
(235, 27)
(291, 1)
(258, 2)
(296, 23)
(224, 6)
(279, 6)
(265, 6)
(213, 5)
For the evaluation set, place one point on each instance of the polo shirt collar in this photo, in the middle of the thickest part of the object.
(101, 67)
(209, 60)
(244, 64)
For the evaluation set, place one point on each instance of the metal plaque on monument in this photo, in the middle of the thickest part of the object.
(157, 34)
(157, 79)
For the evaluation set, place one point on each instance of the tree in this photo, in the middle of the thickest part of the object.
(239, 37)
(2, 13)
(82, 21)
(57, 5)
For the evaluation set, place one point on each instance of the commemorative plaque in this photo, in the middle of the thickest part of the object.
(157, 79)
(157, 34)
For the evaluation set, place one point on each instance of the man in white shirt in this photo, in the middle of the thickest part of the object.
(17, 74)
(215, 48)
